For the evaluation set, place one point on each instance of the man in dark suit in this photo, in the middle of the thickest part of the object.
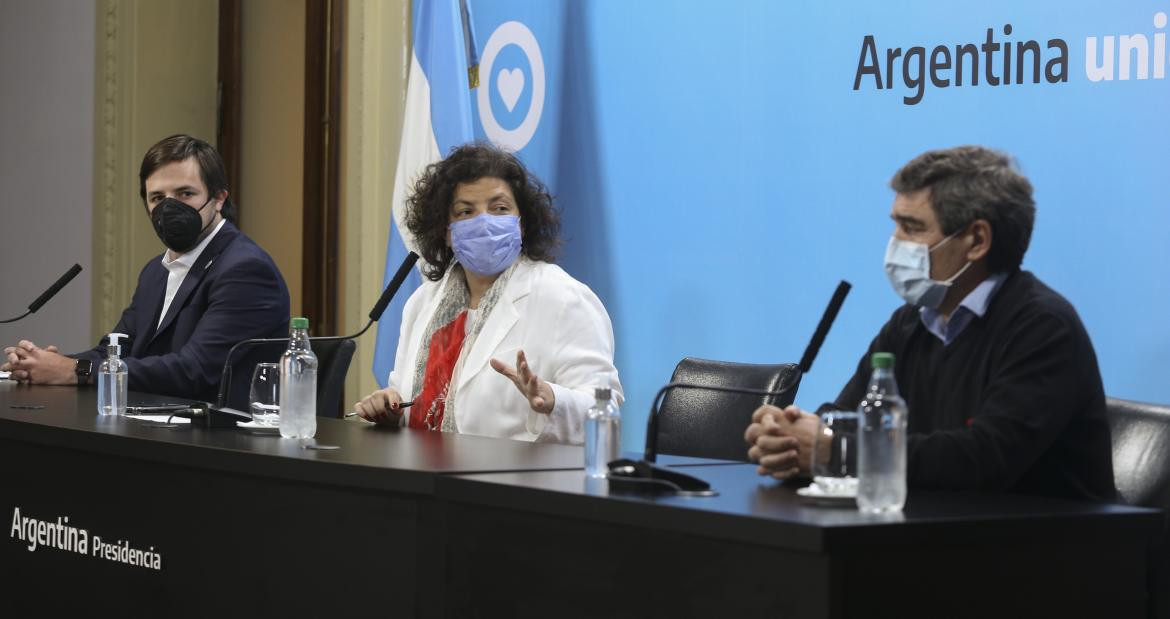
(210, 289)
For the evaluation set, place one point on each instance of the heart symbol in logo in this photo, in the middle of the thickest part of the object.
(510, 84)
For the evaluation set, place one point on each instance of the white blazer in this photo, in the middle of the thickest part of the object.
(564, 332)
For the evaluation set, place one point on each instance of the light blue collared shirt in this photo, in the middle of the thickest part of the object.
(974, 304)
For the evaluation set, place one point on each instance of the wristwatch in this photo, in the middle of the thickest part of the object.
(83, 369)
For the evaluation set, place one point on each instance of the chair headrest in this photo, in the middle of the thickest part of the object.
(1141, 451)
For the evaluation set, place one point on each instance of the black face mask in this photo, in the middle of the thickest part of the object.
(178, 225)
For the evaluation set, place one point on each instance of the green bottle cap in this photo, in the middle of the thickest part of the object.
(300, 322)
(883, 360)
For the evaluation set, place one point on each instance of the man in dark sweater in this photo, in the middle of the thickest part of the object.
(998, 373)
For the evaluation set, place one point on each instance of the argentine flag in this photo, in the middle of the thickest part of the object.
(444, 69)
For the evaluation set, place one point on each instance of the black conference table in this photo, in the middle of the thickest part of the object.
(406, 523)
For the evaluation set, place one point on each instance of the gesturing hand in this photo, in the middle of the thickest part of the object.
(539, 394)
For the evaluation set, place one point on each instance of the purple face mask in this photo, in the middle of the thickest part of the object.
(486, 244)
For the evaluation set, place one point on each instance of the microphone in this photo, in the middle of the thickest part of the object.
(830, 315)
(375, 314)
(391, 288)
(50, 293)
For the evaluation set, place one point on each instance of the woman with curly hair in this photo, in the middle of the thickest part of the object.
(488, 232)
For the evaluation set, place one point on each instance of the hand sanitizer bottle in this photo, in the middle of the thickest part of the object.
(112, 379)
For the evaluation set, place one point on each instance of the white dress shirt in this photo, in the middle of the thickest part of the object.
(177, 269)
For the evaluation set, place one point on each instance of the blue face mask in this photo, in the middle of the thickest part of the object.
(908, 267)
(486, 244)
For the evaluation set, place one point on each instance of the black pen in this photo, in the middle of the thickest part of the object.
(401, 405)
(145, 409)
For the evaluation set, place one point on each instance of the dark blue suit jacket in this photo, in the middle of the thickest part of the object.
(233, 292)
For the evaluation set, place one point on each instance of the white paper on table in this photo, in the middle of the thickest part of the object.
(5, 375)
(161, 418)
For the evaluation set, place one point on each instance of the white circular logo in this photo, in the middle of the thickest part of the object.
(510, 84)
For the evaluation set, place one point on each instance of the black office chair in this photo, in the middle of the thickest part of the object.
(333, 357)
(1141, 470)
(710, 424)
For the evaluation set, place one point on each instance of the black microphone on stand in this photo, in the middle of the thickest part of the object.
(391, 289)
(830, 315)
(644, 475)
(50, 293)
(221, 415)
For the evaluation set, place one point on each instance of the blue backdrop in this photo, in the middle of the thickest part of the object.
(719, 172)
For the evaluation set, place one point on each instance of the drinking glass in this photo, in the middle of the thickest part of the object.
(834, 453)
(264, 398)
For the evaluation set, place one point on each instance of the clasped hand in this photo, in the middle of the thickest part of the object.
(781, 441)
(39, 366)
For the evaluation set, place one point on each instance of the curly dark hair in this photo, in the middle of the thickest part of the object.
(428, 209)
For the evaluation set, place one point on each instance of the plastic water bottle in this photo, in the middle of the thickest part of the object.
(603, 433)
(112, 378)
(298, 384)
(881, 457)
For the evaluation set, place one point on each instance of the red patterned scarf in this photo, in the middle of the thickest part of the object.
(431, 402)
(441, 345)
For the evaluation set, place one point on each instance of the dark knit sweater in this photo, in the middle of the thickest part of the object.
(1015, 402)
